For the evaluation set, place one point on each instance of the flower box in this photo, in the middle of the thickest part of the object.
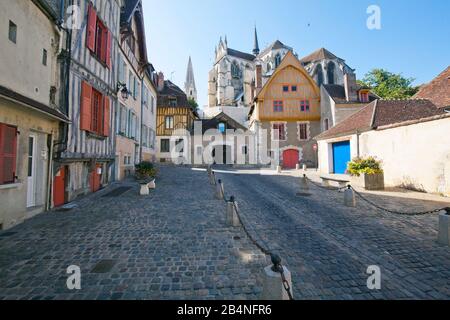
(368, 181)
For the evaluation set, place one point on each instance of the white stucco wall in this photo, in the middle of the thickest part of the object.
(35, 32)
(415, 156)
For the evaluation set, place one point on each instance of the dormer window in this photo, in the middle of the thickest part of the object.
(364, 96)
(277, 60)
(172, 102)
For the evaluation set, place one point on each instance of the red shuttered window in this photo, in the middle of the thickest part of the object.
(8, 153)
(95, 111)
(98, 38)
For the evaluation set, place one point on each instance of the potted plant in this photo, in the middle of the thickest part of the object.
(366, 173)
(145, 174)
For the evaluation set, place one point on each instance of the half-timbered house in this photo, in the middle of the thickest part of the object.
(175, 118)
(85, 156)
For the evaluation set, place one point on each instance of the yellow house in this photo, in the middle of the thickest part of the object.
(287, 106)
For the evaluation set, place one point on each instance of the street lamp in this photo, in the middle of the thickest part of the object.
(122, 87)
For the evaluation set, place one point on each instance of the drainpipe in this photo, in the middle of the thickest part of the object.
(357, 142)
(48, 204)
(142, 117)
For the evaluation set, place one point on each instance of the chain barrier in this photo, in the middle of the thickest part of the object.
(378, 206)
(276, 260)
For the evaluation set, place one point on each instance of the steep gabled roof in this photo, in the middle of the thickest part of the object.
(289, 60)
(320, 54)
(222, 117)
(128, 11)
(380, 113)
(240, 54)
(277, 44)
(438, 90)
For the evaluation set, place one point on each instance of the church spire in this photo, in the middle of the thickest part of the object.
(256, 44)
(189, 85)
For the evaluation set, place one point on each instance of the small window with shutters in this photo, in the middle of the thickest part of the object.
(98, 38)
(8, 150)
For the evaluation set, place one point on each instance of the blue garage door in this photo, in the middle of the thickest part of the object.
(341, 156)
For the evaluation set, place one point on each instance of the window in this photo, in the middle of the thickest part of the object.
(98, 38)
(122, 120)
(303, 131)
(222, 127)
(44, 57)
(279, 131)
(330, 72)
(319, 75)
(199, 150)
(277, 60)
(304, 106)
(165, 145)
(235, 71)
(169, 122)
(326, 124)
(172, 102)
(294, 88)
(94, 111)
(285, 88)
(152, 105)
(96, 124)
(8, 150)
(278, 106)
(12, 35)
(364, 96)
(244, 150)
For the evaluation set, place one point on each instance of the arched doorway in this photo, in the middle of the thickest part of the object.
(290, 158)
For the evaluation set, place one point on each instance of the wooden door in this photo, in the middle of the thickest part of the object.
(59, 188)
(290, 158)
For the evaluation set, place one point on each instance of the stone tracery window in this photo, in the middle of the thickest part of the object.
(235, 70)
(330, 72)
(319, 74)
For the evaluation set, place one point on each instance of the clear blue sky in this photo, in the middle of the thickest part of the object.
(414, 38)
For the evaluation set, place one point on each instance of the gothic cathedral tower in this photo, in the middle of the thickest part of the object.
(189, 85)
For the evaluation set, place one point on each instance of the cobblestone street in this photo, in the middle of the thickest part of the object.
(328, 246)
(174, 244)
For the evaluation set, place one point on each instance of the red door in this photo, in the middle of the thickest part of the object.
(59, 188)
(290, 158)
(96, 178)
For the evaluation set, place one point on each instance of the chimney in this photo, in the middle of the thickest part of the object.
(160, 81)
(350, 87)
(258, 76)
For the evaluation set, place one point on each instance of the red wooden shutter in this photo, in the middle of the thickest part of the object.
(86, 106)
(108, 48)
(8, 151)
(91, 28)
(106, 117)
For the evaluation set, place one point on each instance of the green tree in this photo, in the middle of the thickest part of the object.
(193, 104)
(389, 85)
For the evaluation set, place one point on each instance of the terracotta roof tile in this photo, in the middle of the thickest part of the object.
(383, 113)
(438, 90)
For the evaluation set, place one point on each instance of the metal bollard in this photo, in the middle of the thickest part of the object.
(297, 166)
(212, 178)
(231, 214)
(278, 169)
(444, 228)
(219, 190)
(273, 286)
(305, 168)
(349, 197)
